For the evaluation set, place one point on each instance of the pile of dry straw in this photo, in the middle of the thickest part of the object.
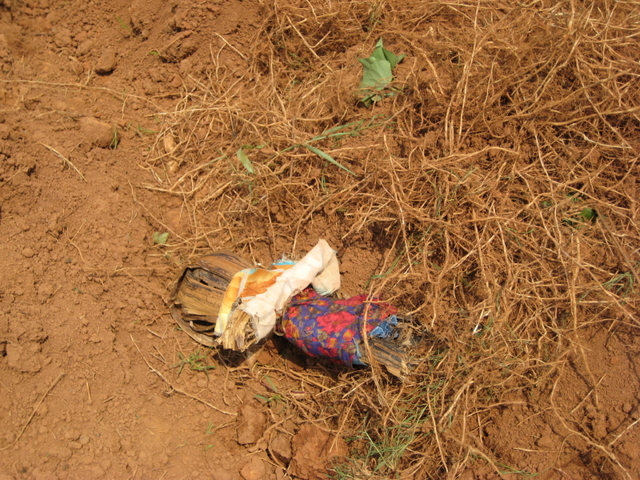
(498, 190)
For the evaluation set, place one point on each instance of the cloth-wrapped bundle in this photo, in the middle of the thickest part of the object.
(217, 301)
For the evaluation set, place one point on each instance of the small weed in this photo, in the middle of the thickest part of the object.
(124, 25)
(323, 184)
(296, 61)
(622, 284)
(344, 471)
(352, 129)
(507, 470)
(267, 382)
(385, 274)
(385, 446)
(140, 130)
(275, 397)
(512, 471)
(211, 428)
(586, 215)
(336, 133)
(327, 157)
(196, 362)
(160, 238)
(580, 216)
(246, 163)
(116, 139)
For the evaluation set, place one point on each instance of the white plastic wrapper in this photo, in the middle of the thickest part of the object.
(264, 293)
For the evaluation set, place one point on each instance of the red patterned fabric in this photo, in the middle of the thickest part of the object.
(325, 327)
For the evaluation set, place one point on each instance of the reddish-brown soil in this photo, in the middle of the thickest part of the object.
(93, 377)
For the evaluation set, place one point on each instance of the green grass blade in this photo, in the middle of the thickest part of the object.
(245, 161)
(341, 127)
(327, 157)
(334, 135)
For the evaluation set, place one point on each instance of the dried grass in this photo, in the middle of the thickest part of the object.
(471, 187)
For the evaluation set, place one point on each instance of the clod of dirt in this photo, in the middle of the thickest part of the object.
(177, 23)
(313, 451)
(96, 132)
(252, 425)
(169, 143)
(45, 290)
(24, 359)
(85, 47)
(62, 37)
(180, 47)
(599, 426)
(139, 17)
(55, 227)
(281, 448)
(546, 443)
(106, 63)
(255, 469)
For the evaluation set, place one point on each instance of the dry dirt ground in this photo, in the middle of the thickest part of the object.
(97, 382)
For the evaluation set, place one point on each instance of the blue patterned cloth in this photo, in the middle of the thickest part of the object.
(329, 328)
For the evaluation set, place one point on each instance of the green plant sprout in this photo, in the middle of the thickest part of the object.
(275, 397)
(211, 428)
(377, 74)
(196, 362)
(244, 160)
(160, 238)
(383, 447)
(351, 129)
(116, 139)
(378, 276)
(140, 130)
(124, 25)
(623, 283)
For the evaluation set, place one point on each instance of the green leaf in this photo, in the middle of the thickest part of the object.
(377, 72)
(588, 214)
(245, 161)
(160, 238)
(391, 57)
(327, 157)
